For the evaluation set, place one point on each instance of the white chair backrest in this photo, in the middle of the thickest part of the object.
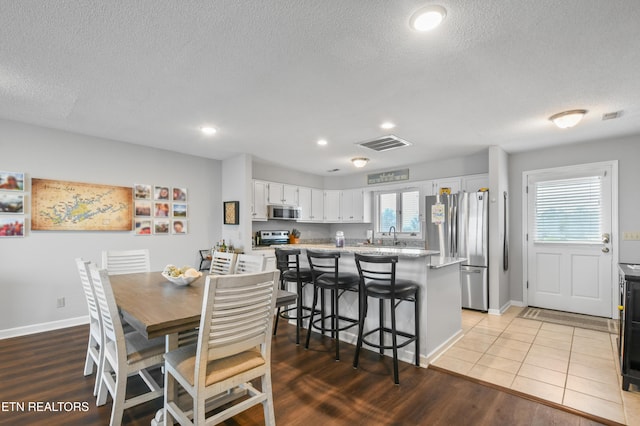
(249, 264)
(237, 315)
(87, 286)
(222, 263)
(118, 262)
(111, 324)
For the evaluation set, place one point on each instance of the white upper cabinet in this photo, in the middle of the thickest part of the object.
(454, 185)
(473, 183)
(259, 200)
(281, 193)
(356, 206)
(311, 202)
(332, 206)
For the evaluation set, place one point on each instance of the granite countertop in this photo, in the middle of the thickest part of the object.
(365, 249)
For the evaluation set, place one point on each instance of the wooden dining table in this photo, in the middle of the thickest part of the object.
(156, 307)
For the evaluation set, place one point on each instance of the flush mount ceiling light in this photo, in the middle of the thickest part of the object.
(567, 119)
(360, 161)
(208, 130)
(427, 18)
(387, 125)
(322, 142)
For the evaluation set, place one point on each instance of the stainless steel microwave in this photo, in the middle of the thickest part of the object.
(284, 212)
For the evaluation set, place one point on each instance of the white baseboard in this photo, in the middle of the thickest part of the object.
(46, 326)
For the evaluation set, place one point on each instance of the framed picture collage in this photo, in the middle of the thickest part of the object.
(12, 201)
(160, 210)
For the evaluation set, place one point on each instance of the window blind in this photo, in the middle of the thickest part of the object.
(568, 210)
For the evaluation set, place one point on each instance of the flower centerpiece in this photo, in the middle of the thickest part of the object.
(294, 236)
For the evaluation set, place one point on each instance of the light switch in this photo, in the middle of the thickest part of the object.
(631, 236)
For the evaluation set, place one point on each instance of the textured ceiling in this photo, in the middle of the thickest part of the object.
(276, 75)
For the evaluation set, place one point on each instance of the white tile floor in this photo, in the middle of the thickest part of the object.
(570, 366)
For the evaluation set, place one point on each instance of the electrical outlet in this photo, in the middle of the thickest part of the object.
(631, 236)
(61, 302)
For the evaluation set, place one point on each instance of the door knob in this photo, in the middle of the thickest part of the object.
(605, 249)
(605, 238)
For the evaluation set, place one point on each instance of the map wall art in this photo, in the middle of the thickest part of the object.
(74, 206)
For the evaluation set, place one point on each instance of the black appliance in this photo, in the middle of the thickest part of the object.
(629, 337)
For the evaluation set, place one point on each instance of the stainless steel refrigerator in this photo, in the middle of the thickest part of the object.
(441, 218)
(458, 226)
(473, 242)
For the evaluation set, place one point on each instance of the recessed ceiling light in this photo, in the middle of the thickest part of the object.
(208, 130)
(322, 142)
(567, 119)
(427, 18)
(387, 125)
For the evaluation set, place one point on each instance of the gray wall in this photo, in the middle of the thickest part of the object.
(626, 150)
(39, 268)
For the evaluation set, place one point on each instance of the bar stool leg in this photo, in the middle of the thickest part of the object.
(381, 314)
(362, 317)
(336, 321)
(394, 342)
(417, 320)
(313, 311)
(299, 311)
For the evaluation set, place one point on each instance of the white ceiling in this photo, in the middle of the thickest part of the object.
(274, 76)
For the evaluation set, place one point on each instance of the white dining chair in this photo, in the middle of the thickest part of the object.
(118, 262)
(234, 347)
(122, 356)
(95, 345)
(249, 264)
(222, 263)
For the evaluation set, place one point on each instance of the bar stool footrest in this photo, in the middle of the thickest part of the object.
(352, 323)
(410, 338)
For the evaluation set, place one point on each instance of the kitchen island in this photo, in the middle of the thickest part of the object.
(440, 294)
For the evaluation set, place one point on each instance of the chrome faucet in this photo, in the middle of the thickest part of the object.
(395, 238)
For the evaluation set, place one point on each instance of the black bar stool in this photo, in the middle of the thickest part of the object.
(326, 276)
(378, 280)
(288, 262)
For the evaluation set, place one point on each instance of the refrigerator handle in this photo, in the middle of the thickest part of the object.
(454, 233)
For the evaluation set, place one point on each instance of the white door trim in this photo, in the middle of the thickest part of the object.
(614, 225)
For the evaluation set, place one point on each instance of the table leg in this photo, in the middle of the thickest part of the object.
(170, 389)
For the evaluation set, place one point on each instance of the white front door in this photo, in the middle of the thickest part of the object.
(569, 250)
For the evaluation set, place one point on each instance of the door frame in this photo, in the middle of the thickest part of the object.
(614, 225)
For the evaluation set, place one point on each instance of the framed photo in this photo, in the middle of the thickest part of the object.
(143, 207)
(143, 227)
(179, 210)
(161, 193)
(179, 194)
(141, 191)
(161, 226)
(11, 203)
(179, 227)
(161, 210)
(11, 226)
(231, 212)
(11, 181)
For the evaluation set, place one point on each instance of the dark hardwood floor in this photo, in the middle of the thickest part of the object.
(310, 388)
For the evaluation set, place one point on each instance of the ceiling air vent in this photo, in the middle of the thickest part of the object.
(384, 143)
(611, 115)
